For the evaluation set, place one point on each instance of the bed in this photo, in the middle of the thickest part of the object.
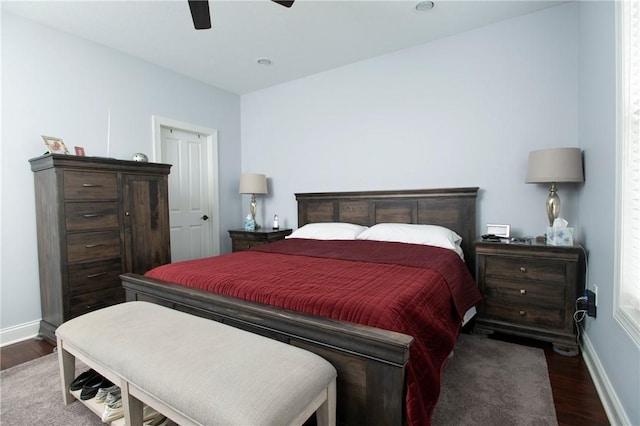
(378, 368)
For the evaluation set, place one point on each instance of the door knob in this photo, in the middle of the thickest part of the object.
(205, 217)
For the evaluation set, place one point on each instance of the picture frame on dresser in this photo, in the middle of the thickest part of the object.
(55, 145)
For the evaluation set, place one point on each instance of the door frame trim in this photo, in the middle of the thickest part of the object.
(212, 141)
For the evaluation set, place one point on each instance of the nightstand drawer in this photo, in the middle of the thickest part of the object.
(523, 313)
(540, 293)
(239, 245)
(541, 270)
(244, 240)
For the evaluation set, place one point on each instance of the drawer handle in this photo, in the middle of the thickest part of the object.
(523, 291)
(93, 245)
(523, 313)
(96, 305)
(96, 275)
(91, 185)
(523, 269)
(90, 215)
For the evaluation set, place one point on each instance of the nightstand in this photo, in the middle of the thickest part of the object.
(244, 240)
(530, 290)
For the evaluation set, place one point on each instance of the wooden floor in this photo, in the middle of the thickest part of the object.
(574, 394)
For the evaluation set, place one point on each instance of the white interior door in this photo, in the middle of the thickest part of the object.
(193, 188)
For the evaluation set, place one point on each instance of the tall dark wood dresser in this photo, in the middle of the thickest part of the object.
(96, 218)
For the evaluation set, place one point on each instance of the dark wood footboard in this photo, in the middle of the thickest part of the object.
(370, 362)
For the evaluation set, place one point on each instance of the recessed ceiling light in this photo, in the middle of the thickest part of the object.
(264, 61)
(424, 6)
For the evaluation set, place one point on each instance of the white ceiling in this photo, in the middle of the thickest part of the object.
(310, 37)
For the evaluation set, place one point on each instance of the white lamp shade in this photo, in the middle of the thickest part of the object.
(253, 183)
(555, 165)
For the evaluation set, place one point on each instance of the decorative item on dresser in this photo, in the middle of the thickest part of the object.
(530, 290)
(244, 240)
(55, 145)
(96, 218)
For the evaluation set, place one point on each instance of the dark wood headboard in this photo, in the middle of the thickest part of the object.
(454, 208)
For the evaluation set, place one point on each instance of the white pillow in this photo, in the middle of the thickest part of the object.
(431, 235)
(328, 231)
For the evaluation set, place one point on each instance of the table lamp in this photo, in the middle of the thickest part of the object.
(253, 183)
(552, 166)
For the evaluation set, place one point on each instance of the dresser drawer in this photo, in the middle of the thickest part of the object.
(87, 302)
(524, 313)
(541, 270)
(239, 245)
(526, 292)
(93, 245)
(94, 276)
(91, 215)
(90, 185)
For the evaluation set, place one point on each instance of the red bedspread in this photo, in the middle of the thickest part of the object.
(421, 291)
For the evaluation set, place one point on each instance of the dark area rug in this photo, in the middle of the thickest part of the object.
(486, 382)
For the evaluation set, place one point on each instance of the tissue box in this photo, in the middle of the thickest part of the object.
(557, 236)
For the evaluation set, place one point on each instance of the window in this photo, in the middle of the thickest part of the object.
(628, 185)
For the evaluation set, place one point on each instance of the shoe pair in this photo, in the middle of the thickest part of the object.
(113, 396)
(157, 420)
(83, 378)
(113, 406)
(101, 396)
(91, 386)
(114, 410)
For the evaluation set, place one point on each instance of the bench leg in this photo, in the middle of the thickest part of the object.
(326, 413)
(132, 406)
(67, 365)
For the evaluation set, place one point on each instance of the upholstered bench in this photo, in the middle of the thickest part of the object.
(197, 371)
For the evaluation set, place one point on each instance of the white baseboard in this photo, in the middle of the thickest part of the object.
(19, 332)
(612, 406)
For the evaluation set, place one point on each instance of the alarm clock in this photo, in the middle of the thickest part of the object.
(500, 231)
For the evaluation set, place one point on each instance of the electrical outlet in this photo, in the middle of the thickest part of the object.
(591, 303)
(595, 292)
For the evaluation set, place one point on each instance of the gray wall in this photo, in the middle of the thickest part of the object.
(462, 111)
(59, 85)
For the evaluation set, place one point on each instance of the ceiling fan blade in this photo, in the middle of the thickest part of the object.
(200, 14)
(284, 3)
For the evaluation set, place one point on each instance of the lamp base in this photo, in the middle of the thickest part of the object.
(252, 209)
(553, 204)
